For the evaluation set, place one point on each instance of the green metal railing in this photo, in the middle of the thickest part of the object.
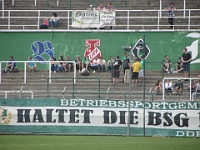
(73, 84)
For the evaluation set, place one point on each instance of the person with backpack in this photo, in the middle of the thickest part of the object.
(116, 70)
(126, 69)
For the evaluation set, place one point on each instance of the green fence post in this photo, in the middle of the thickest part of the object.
(124, 2)
(99, 90)
(144, 86)
(70, 3)
(125, 96)
(115, 3)
(92, 2)
(148, 2)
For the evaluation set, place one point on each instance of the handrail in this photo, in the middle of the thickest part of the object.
(160, 14)
(48, 62)
(14, 91)
(176, 78)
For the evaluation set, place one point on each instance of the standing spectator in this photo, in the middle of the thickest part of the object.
(136, 67)
(126, 65)
(158, 87)
(94, 64)
(166, 64)
(168, 87)
(45, 24)
(110, 6)
(54, 20)
(100, 7)
(186, 58)
(178, 87)
(54, 65)
(31, 64)
(101, 64)
(78, 63)
(86, 63)
(116, 70)
(171, 15)
(10, 65)
(110, 64)
(141, 71)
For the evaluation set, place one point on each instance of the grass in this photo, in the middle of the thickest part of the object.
(38, 142)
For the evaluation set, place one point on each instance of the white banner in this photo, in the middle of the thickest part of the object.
(93, 19)
(90, 116)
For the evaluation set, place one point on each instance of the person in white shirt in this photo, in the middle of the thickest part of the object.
(168, 87)
(101, 64)
(94, 64)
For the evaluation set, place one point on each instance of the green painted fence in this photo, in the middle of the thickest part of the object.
(45, 44)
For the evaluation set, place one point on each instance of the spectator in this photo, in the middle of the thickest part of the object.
(101, 64)
(62, 66)
(31, 64)
(178, 87)
(136, 67)
(197, 91)
(94, 64)
(10, 65)
(141, 71)
(54, 65)
(78, 63)
(45, 24)
(100, 7)
(110, 7)
(69, 65)
(54, 20)
(171, 15)
(168, 87)
(86, 63)
(166, 64)
(116, 70)
(179, 65)
(158, 87)
(126, 65)
(186, 59)
(110, 64)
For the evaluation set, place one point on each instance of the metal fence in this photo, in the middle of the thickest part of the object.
(125, 19)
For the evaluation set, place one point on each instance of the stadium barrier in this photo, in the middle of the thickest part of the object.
(185, 18)
(188, 91)
(40, 62)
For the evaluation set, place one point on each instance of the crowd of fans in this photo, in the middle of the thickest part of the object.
(132, 71)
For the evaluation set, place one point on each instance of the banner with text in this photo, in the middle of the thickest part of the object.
(93, 19)
(105, 117)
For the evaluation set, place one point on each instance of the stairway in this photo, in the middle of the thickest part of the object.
(86, 87)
